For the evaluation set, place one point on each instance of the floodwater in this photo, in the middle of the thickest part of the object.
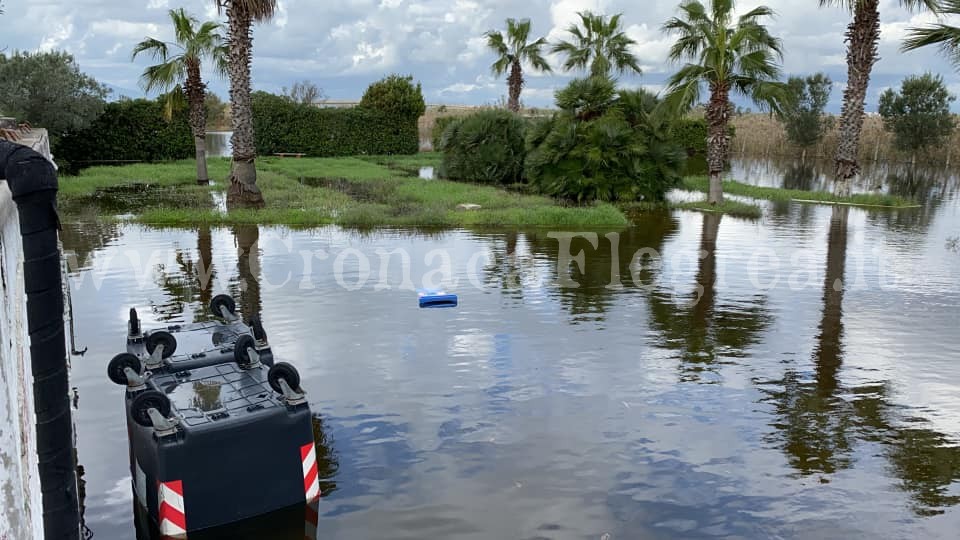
(218, 143)
(717, 393)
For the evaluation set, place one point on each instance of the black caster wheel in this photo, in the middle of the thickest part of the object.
(285, 371)
(257, 327)
(161, 337)
(115, 369)
(151, 399)
(222, 300)
(134, 323)
(240, 352)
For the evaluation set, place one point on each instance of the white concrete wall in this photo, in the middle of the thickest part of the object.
(20, 503)
(21, 512)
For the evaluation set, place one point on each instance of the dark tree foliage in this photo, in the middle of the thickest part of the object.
(284, 126)
(604, 145)
(48, 90)
(486, 147)
(129, 130)
(919, 113)
(396, 95)
(802, 112)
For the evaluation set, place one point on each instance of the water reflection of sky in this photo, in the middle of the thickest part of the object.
(534, 411)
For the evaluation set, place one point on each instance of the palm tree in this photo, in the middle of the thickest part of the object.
(727, 54)
(863, 39)
(178, 72)
(241, 14)
(599, 43)
(511, 52)
(944, 36)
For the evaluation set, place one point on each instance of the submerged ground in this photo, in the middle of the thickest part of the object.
(716, 395)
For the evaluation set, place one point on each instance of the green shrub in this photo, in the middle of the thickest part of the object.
(439, 126)
(281, 125)
(395, 95)
(691, 134)
(486, 147)
(129, 130)
(604, 145)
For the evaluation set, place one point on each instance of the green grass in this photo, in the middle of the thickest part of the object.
(732, 187)
(358, 192)
(731, 208)
(727, 207)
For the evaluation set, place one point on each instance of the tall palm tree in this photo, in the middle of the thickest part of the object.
(241, 14)
(600, 44)
(178, 72)
(726, 54)
(863, 39)
(512, 51)
(942, 35)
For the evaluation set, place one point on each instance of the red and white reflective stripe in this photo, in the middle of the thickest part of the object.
(311, 479)
(311, 521)
(171, 514)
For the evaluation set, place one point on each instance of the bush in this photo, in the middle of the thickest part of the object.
(604, 145)
(281, 125)
(395, 95)
(691, 134)
(129, 130)
(439, 126)
(486, 147)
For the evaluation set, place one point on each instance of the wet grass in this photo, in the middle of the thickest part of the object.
(727, 207)
(732, 187)
(359, 192)
(731, 208)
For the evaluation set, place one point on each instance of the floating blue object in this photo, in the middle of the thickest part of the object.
(437, 299)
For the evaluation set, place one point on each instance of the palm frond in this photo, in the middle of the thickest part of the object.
(257, 10)
(164, 76)
(159, 50)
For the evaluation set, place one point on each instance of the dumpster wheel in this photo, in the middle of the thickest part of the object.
(118, 363)
(283, 370)
(151, 399)
(222, 300)
(240, 353)
(161, 337)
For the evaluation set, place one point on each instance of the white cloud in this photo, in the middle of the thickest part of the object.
(343, 46)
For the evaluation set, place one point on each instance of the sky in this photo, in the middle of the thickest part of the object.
(344, 45)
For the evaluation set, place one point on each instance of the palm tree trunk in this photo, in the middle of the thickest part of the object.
(196, 91)
(515, 83)
(863, 37)
(718, 139)
(243, 191)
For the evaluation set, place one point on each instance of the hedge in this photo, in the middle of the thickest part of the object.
(129, 130)
(281, 125)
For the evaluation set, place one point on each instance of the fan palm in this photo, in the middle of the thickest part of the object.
(241, 14)
(942, 35)
(600, 44)
(726, 54)
(512, 50)
(178, 73)
(863, 39)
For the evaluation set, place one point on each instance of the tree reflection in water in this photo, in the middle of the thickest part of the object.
(246, 288)
(703, 329)
(602, 267)
(821, 422)
(190, 283)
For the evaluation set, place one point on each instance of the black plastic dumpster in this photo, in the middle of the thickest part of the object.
(216, 435)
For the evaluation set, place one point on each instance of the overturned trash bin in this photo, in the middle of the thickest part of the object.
(218, 433)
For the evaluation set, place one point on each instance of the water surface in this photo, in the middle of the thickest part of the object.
(711, 395)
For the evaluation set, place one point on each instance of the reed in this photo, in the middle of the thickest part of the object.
(762, 135)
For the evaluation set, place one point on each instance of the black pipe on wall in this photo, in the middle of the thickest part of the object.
(33, 182)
